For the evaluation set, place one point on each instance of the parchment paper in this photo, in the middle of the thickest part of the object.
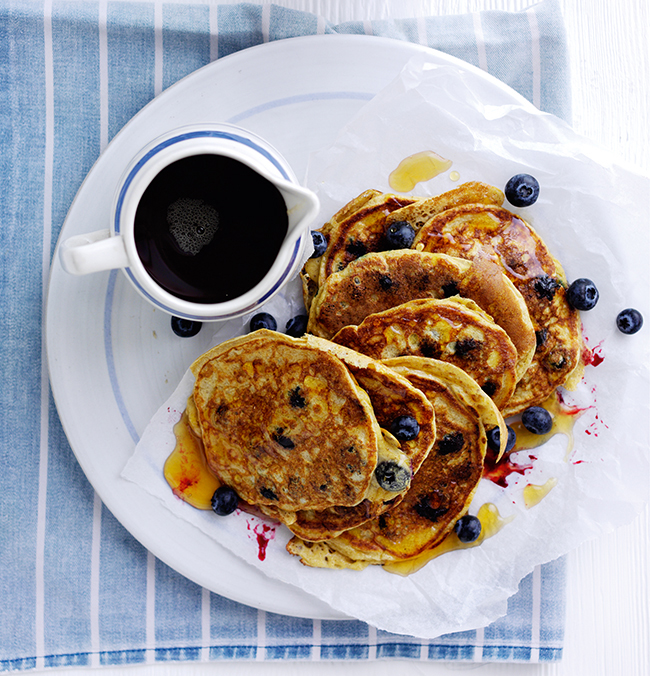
(592, 213)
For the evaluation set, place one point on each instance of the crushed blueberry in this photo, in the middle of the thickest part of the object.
(392, 477)
(385, 282)
(283, 440)
(224, 501)
(296, 399)
(450, 289)
(468, 528)
(451, 443)
(489, 388)
(537, 420)
(296, 326)
(541, 336)
(268, 493)
(430, 507)
(582, 294)
(263, 320)
(522, 190)
(545, 287)
(356, 249)
(400, 235)
(404, 428)
(629, 321)
(185, 328)
(494, 439)
(320, 243)
(464, 347)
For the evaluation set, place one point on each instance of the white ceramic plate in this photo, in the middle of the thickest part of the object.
(114, 360)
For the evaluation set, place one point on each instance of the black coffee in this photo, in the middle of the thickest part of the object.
(208, 228)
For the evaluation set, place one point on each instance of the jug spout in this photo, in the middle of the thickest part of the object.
(302, 206)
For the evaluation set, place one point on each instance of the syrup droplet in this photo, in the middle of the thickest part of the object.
(416, 168)
(533, 494)
(491, 523)
(454, 175)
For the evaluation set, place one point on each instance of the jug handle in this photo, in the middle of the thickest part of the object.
(93, 252)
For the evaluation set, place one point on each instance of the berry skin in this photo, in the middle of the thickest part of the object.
(263, 320)
(582, 294)
(224, 501)
(494, 439)
(629, 321)
(185, 328)
(522, 190)
(537, 420)
(405, 428)
(392, 477)
(320, 243)
(296, 326)
(468, 528)
(400, 235)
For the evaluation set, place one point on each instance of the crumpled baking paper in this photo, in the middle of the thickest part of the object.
(592, 213)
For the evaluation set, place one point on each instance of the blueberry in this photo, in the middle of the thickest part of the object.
(537, 420)
(494, 439)
(405, 428)
(400, 235)
(451, 443)
(320, 243)
(582, 294)
(185, 328)
(263, 320)
(224, 501)
(522, 190)
(629, 321)
(297, 326)
(392, 477)
(468, 528)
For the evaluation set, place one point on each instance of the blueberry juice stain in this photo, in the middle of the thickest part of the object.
(208, 228)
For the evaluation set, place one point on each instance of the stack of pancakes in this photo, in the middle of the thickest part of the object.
(469, 325)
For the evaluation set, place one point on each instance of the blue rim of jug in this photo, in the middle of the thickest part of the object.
(184, 137)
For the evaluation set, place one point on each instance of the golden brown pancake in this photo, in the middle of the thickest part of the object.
(381, 280)
(392, 395)
(473, 231)
(454, 330)
(418, 213)
(440, 492)
(285, 424)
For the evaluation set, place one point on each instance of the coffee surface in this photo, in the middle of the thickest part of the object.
(208, 228)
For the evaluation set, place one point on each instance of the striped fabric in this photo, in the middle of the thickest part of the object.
(75, 587)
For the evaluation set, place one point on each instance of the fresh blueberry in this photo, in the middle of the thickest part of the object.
(400, 235)
(185, 328)
(468, 528)
(297, 326)
(405, 428)
(537, 420)
(224, 501)
(629, 320)
(494, 439)
(522, 190)
(320, 243)
(582, 294)
(392, 477)
(263, 320)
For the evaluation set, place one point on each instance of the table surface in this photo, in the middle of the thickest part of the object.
(608, 596)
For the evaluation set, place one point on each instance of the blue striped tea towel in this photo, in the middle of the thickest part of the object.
(75, 587)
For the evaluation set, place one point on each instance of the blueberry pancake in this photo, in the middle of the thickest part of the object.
(382, 280)
(454, 330)
(285, 424)
(393, 397)
(440, 492)
(473, 231)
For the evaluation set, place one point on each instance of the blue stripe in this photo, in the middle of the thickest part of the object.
(176, 596)
(186, 40)
(21, 206)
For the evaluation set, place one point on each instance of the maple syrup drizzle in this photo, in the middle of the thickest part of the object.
(417, 168)
(185, 469)
(491, 523)
(534, 494)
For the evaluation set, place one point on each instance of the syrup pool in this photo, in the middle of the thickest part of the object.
(417, 168)
(491, 523)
